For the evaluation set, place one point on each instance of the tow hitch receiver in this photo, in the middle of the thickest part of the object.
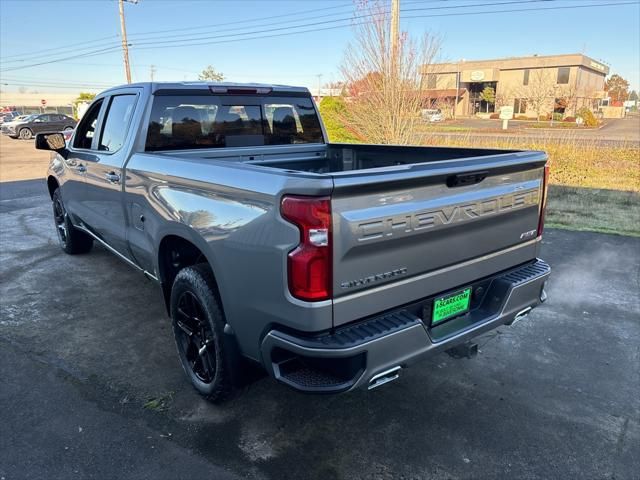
(466, 350)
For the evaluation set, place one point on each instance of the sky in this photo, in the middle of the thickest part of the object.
(79, 39)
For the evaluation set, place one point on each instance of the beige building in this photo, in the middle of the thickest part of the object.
(32, 102)
(533, 86)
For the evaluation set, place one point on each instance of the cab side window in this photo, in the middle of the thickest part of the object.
(87, 127)
(116, 122)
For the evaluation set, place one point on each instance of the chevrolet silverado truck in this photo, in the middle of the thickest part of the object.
(332, 266)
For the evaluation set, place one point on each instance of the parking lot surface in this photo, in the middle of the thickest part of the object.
(613, 132)
(92, 387)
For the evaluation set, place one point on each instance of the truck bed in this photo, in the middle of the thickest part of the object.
(348, 158)
(336, 158)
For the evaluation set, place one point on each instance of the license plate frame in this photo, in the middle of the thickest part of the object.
(450, 306)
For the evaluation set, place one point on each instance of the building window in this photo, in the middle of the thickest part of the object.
(563, 75)
(431, 81)
(525, 79)
(520, 106)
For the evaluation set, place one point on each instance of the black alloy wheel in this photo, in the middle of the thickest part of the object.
(60, 219)
(195, 338)
(208, 357)
(71, 240)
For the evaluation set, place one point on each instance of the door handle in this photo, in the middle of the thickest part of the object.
(112, 177)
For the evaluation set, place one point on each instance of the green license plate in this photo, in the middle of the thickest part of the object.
(450, 306)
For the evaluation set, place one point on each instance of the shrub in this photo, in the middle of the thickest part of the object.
(589, 118)
(544, 117)
(569, 119)
(557, 117)
(523, 117)
(334, 112)
(494, 116)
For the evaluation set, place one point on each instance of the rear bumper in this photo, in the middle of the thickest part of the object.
(351, 356)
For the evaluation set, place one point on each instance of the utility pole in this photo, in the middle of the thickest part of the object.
(319, 86)
(152, 71)
(395, 32)
(125, 45)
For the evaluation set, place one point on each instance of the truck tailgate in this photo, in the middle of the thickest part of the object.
(398, 223)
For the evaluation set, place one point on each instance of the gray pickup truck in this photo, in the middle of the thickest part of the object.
(333, 266)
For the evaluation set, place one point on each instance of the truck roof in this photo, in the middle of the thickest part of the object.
(191, 85)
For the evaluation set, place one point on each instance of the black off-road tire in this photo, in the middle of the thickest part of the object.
(212, 373)
(71, 240)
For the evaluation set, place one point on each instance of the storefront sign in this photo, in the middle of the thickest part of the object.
(477, 75)
(506, 113)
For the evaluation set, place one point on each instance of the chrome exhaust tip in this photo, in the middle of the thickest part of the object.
(520, 315)
(384, 377)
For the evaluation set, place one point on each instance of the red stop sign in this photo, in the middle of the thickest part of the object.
(43, 101)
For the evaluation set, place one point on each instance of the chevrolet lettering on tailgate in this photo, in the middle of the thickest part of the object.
(465, 212)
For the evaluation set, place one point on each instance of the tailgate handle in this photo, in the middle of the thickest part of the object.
(463, 179)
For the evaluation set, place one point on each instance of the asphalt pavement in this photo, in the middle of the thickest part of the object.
(91, 386)
(612, 133)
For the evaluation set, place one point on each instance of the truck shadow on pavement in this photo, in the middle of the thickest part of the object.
(554, 396)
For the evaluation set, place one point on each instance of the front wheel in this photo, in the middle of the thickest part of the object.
(198, 327)
(66, 129)
(71, 240)
(25, 134)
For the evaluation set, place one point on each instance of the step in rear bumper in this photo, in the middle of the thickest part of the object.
(352, 355)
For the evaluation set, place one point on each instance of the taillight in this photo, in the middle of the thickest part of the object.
(309, 264)
(543, 203)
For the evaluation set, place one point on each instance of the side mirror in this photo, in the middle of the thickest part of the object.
(51, 141)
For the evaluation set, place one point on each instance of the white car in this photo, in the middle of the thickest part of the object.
(432, 115)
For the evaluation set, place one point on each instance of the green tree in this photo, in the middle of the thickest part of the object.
(633, 96)
(618, 88)
(488, 94)
(210, 73)
(85, 97)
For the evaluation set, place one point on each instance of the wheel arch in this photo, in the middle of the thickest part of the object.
(175, 251)
(52, 185)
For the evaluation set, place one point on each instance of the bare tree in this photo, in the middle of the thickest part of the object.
(210, 73)
(540, 91)
(386, 91)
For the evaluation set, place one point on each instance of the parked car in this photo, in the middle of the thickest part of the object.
(15, 120)
(432, 115)
(8, 116)
(39, 123)
(334, 266)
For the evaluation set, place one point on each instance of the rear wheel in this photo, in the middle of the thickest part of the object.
(25, 134)
(71, 240)
(198, 327)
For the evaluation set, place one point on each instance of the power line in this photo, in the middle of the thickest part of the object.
(166, 39)
(75, 47)
(58, 60)
(487, 12)
(178, 44)
(52, 81)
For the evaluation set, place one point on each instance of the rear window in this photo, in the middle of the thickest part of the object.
(186, 122)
